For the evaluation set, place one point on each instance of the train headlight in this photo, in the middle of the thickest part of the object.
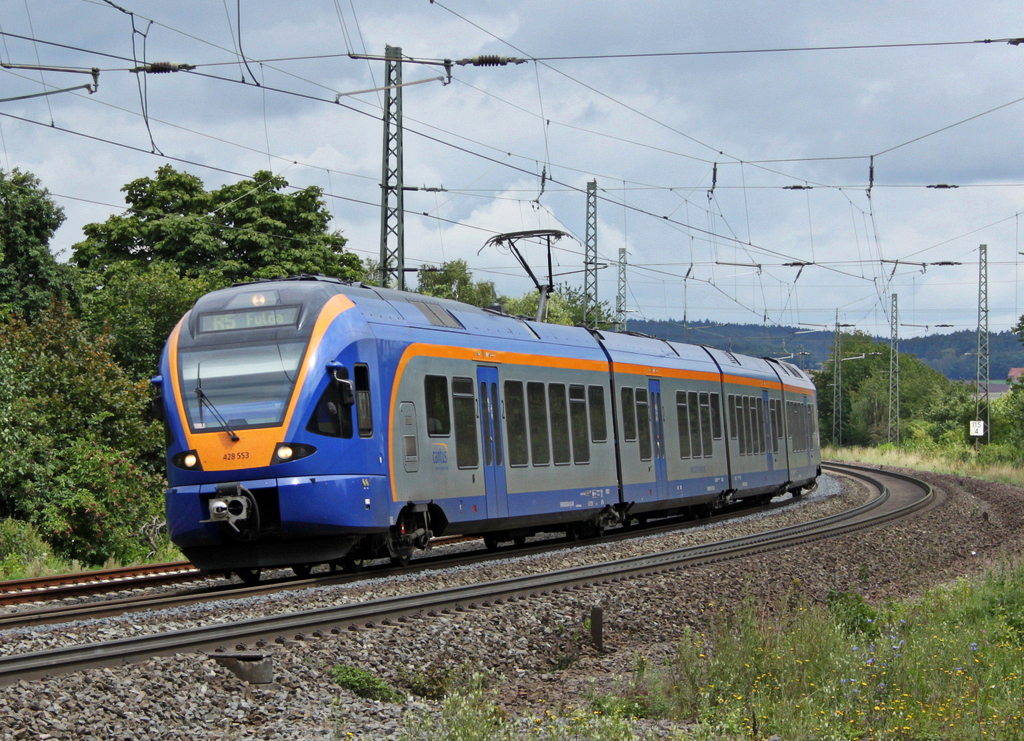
(285, 452)
(189, 460)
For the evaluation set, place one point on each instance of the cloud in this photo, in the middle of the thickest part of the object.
(695, 155)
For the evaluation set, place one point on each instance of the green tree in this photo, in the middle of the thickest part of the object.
(250, 229)
(82, 457)
(565, 305)
(931, 406)
(138, 308)
(30, 276)
(454, 280)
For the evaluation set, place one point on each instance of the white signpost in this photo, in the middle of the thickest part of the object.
(977, 428)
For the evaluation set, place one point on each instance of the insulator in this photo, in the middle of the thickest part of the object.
(160, 67)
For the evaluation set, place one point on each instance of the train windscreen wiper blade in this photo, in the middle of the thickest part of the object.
(204, 399)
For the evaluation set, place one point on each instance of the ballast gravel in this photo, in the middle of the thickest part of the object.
(537, 650)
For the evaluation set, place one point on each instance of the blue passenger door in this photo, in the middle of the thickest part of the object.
(658, 438)
(493, 449)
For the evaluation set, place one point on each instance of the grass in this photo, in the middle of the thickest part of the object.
(991, 462)
(948, 666)
(25, 555)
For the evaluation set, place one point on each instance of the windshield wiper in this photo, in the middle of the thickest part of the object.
(204, 399)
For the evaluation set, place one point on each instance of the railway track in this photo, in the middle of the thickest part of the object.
(57, 613)
(897, 496)
(63, 586)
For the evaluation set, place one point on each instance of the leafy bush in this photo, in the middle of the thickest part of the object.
(364, 684)
(82, 460)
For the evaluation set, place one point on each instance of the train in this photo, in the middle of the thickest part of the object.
(311, 420)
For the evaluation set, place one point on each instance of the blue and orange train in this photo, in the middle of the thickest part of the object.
(312, 420)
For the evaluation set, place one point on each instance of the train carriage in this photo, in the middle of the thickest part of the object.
(311, 420)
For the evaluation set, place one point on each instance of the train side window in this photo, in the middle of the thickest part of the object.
(759, 421)
(486, 419)
(467, 453)
(628, 415)
(515, 424)
(559, 424)
(364, 410)
(439, 418)
(733, 427)
(705, 423)
(496, 407)
(683, 424)
(598, 420)
(330, 416)
(716, 417)
(791, 424)
(776, 425)
(756, 425)
(695, 424)
(578, 424)
(537, 408)
(643, 424)
(743, 413)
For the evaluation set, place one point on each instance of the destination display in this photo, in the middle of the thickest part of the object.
(224, 321)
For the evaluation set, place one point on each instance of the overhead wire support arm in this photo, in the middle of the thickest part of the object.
(90, 87)
(446, 63)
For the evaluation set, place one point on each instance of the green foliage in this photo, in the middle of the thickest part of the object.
(137, 308)
(82, 458)
(945, 667)
(472, 714)
(932, 408)
(436, 681)
(453, 280)
(564, 306)
(364, 684)
(251, 229)
(21, 549)
(30, 277)
(852, 613)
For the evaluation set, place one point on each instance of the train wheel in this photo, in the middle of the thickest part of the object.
(249, 576)
(491, 542)
(520, 541)
(302, 570)
(400, 561)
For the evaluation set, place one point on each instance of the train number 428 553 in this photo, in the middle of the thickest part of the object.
(237, 456)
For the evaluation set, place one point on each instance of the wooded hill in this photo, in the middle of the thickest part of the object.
(953, 355)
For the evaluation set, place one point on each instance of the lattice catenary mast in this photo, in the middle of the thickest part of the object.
(894, 372)
(982, 401)
(392, 199)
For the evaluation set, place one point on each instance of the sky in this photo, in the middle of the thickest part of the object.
(759, 163)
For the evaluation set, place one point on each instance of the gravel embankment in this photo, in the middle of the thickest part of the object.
(189, 696)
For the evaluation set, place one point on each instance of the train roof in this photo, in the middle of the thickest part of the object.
(388, 306)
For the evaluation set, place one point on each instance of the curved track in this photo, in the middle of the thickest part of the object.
(897, 496)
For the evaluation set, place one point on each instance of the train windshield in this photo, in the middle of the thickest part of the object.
(239, 387)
